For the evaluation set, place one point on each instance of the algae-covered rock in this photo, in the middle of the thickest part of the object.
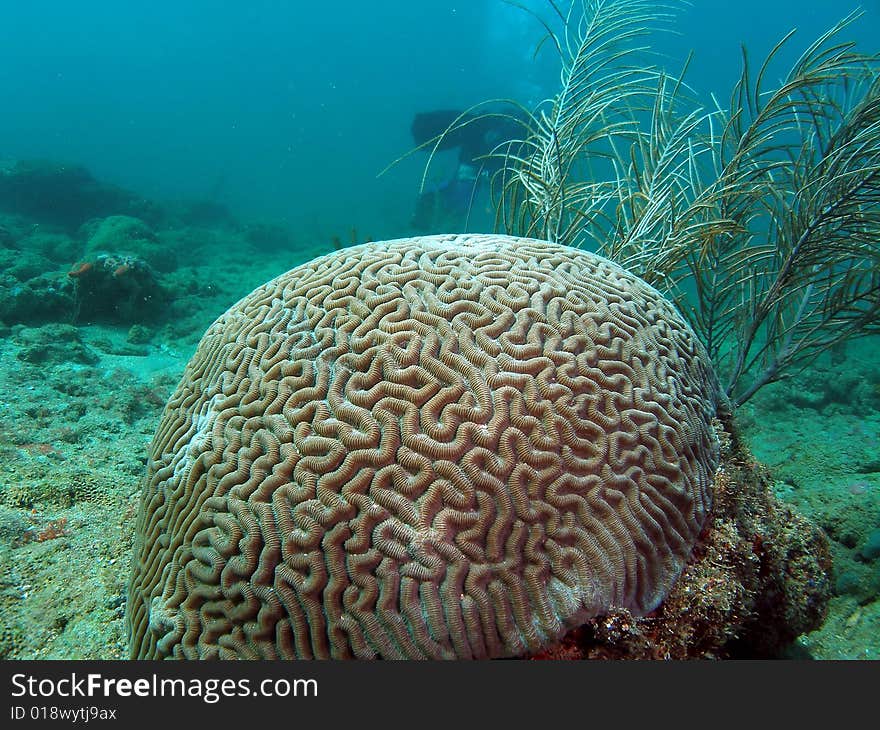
(119, 288)
(52, 344)
(44, 298)
(56, 247)
(870, 550)
(139, 335)
(26, 265)
(131, 236)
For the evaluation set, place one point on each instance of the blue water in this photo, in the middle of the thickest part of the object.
(288, 110)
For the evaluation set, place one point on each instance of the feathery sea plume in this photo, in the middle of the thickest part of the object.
(760, 220)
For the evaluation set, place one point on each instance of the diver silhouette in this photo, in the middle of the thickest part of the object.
(475, 136)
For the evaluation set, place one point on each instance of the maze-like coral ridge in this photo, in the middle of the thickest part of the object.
(450, 446)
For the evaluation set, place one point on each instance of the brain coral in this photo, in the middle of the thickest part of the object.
(447, 446)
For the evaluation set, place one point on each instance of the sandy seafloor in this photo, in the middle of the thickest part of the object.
(73, 441)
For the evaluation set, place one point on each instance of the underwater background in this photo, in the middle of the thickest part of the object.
(160, 160)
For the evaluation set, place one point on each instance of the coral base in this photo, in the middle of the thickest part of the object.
(760, 577)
